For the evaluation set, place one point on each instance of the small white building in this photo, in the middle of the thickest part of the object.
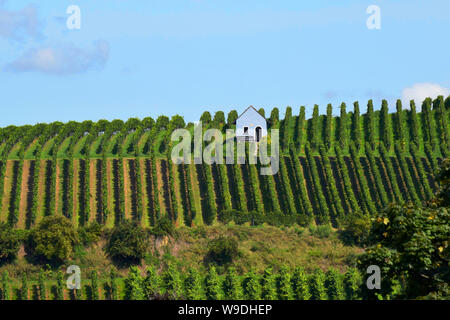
(251, 125)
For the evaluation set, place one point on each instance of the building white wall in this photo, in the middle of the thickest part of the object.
(251, 119)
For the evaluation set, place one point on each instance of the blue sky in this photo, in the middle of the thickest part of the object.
(140, 58)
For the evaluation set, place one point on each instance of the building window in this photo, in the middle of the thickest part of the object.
(245, 130)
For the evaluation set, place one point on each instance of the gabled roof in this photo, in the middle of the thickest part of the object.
(253, 109)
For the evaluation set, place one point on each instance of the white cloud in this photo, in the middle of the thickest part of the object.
(421, 91)
(61, 59)
(20, 24)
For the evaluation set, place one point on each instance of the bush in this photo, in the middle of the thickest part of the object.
(9, 242)
(54, 239)
(164, 227)
(90, 234)
(128, 243)
(226, 216)
(322, 231)
(356, 228)
(222, 250)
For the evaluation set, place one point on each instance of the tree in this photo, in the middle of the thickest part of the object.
(128, 242)
(232, 285)
(9, 242)
(410, 245)
(300, 284)
(54, 239)
(252, 286)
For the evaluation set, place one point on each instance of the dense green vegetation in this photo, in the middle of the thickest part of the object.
(66, 188)
(356, 162)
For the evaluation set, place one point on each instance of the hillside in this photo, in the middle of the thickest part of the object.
(330, 166)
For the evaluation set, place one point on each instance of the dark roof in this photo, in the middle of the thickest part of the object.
(253, 109)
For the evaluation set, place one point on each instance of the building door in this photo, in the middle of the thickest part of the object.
(258, 131)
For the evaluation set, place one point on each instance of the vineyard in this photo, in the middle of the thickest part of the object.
(330, 166)
(286, 284)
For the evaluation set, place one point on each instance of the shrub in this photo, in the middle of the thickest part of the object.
(226, 216)
(356, 228)
(284, 285)
(269, 285)
(113, 284)
(9, 242)
(164, 227)
(128, 242)
(322, 231)
(213, 285)
(252, 286)
(90, 234)
(300, 284)
(134, 285)
(335, 287)
(54, 239)
(410, 245)
(94, 285)
(172, 282)
(5, 286)
(193, 285)
(223, 250)
(317, 285)
(232, 285)
(151, 283)
(352, 281)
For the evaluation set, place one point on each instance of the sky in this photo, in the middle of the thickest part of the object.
(139, 58)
